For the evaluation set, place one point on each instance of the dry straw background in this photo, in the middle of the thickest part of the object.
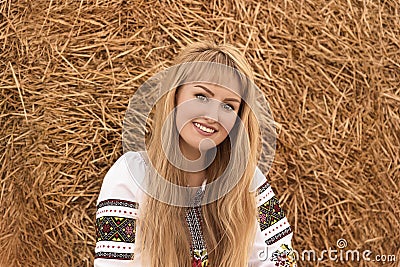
(330, 70)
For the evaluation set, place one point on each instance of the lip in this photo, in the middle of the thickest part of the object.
(201, 132)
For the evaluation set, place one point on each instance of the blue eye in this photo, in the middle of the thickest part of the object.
(201, 97)
(227, 107)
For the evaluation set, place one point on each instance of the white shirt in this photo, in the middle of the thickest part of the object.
(118, 213)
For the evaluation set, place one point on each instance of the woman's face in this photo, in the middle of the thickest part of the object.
(205, 111)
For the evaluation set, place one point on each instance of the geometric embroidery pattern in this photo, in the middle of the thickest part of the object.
(193, 219)
(284, 256)
(262, 188)
(269, 213)
(118, 203)
(118, 229)
(200, 258)
(278, 236)
(113, 255)
(198, 249)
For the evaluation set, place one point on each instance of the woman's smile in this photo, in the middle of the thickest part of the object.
(204, 129)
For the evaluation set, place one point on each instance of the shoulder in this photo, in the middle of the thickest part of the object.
(118, 211)
(122, 181)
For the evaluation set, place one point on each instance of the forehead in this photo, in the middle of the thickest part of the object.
(212, 73)
(216, 89)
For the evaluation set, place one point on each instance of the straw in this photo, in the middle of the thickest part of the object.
(330, 71)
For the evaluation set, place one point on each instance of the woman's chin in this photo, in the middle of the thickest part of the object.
(206, 144)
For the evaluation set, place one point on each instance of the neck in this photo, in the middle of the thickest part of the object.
(195, 179)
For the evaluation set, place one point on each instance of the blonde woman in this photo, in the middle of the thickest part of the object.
(195, 195)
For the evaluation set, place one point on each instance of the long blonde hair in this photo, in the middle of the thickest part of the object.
(229, 222)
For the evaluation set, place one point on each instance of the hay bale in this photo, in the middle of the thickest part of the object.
(330, 70)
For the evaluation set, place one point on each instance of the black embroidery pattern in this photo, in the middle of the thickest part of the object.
(263, 188)
(118, 203)
(118, 229)
(270, 213)
(114, 255)
(193, 219)
(278, 236)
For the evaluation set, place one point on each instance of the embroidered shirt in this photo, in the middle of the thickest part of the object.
(198, 249)
(118, 210)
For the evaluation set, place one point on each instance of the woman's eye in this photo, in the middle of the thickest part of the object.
(201, 97)
(227, 107)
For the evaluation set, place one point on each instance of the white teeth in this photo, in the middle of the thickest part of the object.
(203, 128)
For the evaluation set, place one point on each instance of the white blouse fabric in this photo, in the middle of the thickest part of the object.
(118, 212)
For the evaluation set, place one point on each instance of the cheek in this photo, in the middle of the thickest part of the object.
(227, 120)
(187, 111)
(185, 132)
(223, 135)
(182, 116)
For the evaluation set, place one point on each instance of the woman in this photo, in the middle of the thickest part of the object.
(195, 197)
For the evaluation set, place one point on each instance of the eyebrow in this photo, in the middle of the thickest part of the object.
(212, 94)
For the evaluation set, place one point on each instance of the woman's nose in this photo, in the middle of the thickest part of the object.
(212, 112)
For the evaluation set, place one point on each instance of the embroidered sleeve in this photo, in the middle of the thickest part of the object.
(272, 246)
(116, 217)
(116, 229)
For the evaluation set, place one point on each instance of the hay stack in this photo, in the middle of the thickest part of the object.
(330, 70)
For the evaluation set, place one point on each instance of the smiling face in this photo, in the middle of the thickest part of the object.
(205, 112)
